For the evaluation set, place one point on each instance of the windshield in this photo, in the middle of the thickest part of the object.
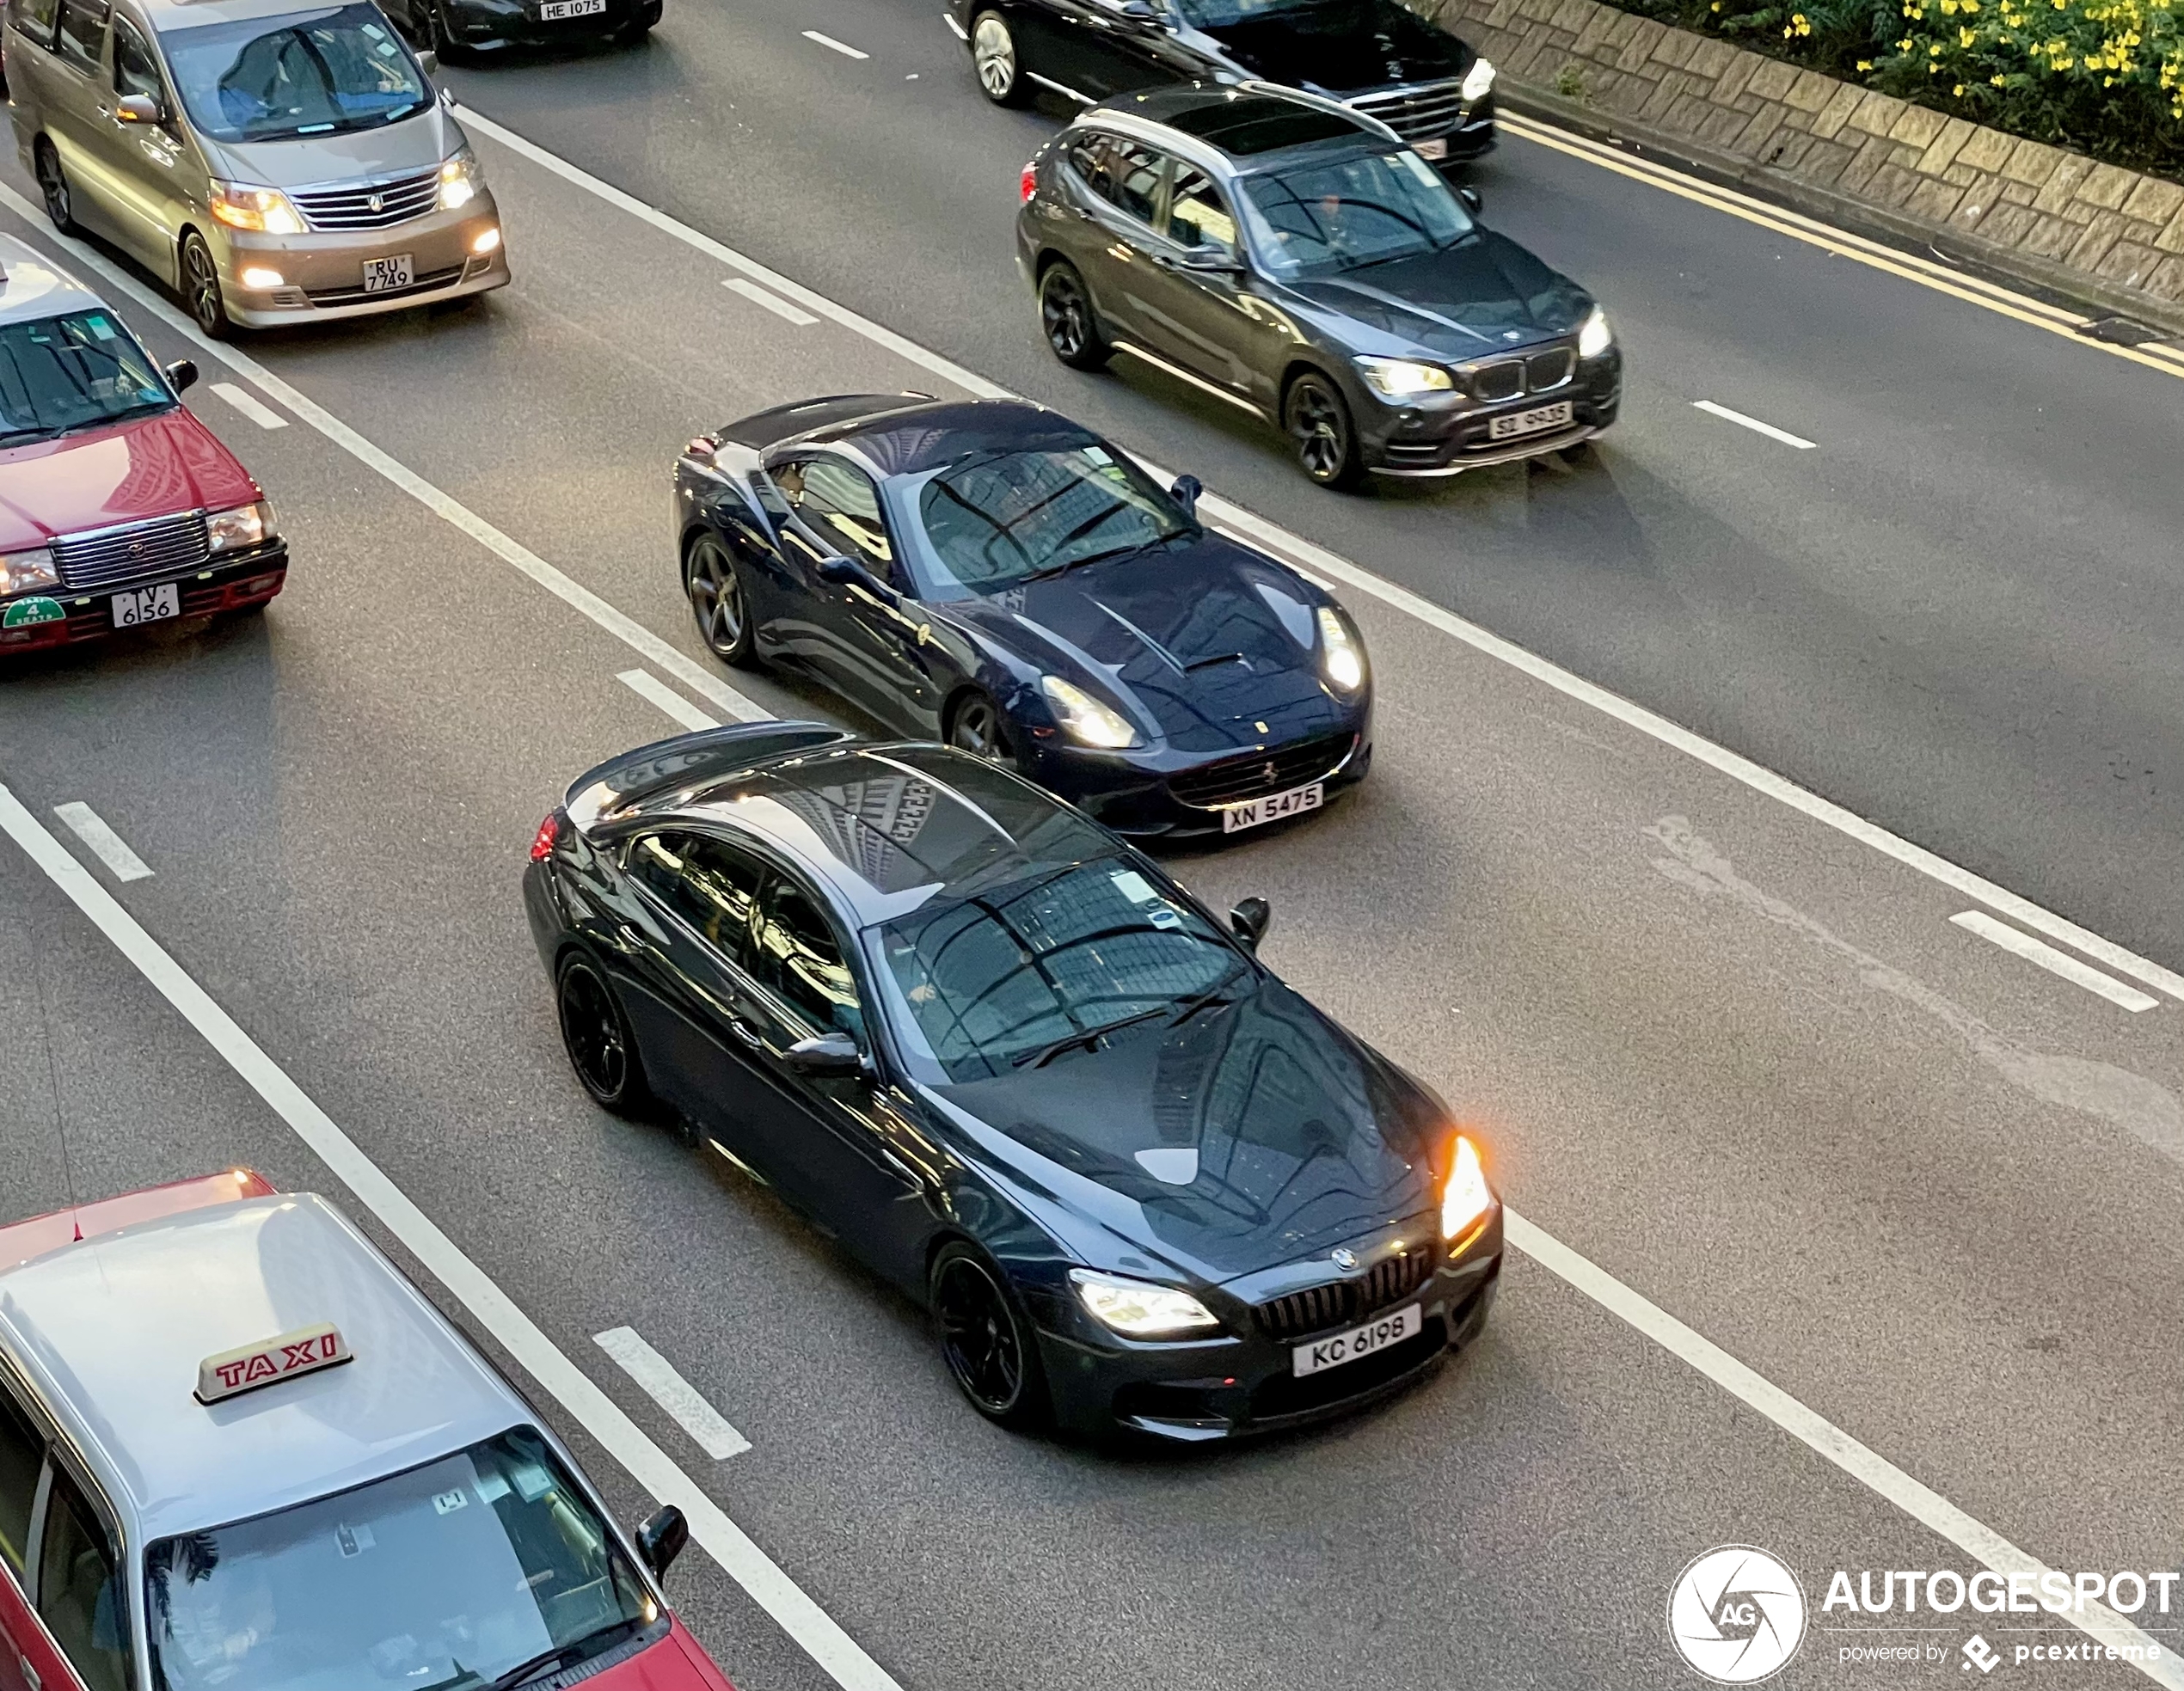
(1213, 14)
(62, 373)
(1321, 218)
(450, 1576)
(311, 73)
(992, 983)
(1001, 517)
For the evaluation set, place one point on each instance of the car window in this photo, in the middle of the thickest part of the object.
(841, 505)
(309, 73)
(710, 884)
(1125, 174)
(802, 960)
(79, 1589)
(82, 32)
(1317, 220)
(72, 372)
(135, 70)
(22, 1455)
(1197, 215)
(34, 18)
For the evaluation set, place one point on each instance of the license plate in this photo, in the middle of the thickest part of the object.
(1436, 148)
(1274, 807)
(147, 604)
(381, 275)
(560, 8)
(1347, 1347)
(1537, 420)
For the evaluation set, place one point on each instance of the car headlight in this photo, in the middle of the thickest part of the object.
(1399, 378)
(1341, 654)
(1140, 1310)
(28, 571)
(1466, 1197)
(1595, 337)
(1478, 81)
(242, 525)
(268, 210)
(460, 177)
(1083, 718)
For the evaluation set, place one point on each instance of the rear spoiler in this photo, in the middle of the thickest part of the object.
(689, 760)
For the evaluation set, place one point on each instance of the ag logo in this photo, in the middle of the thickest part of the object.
(1737, 1614)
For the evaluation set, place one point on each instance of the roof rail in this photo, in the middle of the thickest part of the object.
(1363, 119)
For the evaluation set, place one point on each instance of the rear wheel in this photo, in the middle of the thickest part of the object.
(1317, 422)
(1071, 326)
(993, 55)
(201, 288)
(718, 603)
(52, 186)
(985, 1339)
(978, 727)
(596, 1035)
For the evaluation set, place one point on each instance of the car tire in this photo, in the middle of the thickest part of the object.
(200, 288)
(977, 726)
(639, 26)
(713, 583)
(53, 188)
(994, 59)
(595, 1035)
(984, 1338)
(1068, 319)
(1317, 419)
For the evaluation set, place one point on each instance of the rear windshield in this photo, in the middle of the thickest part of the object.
(72, 372)
(309, 73)
(1319, 219)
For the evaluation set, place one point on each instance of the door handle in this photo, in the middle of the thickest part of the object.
(748, 1034)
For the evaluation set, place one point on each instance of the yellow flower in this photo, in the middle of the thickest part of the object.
(1996, 81)
(1865, 65)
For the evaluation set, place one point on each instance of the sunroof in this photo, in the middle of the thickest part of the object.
(1242, 127)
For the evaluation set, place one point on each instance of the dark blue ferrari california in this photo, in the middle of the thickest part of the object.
(989, 574)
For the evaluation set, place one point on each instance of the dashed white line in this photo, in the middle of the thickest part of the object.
(842, 47)
(948, 18)
(1754, 425)
(651, 688)
(2055, 962)
(773, 302)
(706, 1425)
(111, 850)
(263, 415)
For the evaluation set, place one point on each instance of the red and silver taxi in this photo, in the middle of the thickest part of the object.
(117, 506)
(238, 1451)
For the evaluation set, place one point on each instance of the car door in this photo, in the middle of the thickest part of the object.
(29, 1659)
(1124, 180)
(31, 74)
(74, 90)
(1109, 46)
(1201, 310)
(146, 160)
(81, 1597)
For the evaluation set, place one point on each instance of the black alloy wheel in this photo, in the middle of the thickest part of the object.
(1317, 422)
(201, 288)
(993, 55)
(1072, 327)
(978, 728)
(985, 1338)
(597, 1038)
(717, 603)
(52, 186)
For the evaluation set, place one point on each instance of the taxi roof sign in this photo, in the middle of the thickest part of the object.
(247, 1367)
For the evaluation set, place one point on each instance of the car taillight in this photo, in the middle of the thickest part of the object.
(542, 842)
(1027, 184)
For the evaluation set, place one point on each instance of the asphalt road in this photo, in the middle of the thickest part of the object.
(1741, 1061)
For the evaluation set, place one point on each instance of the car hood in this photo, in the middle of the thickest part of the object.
(1193, 638)
(415, 143)
(1342, 46)
(1469, 301)
(152, 467)
(1256, 1133)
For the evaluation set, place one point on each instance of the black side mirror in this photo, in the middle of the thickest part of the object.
(182, 373)
(662, 1539)
(1248, 922)
(1185, 492)
(1472, 203)
(829, 1056)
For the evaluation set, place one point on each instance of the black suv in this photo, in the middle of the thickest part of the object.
(1300, 261)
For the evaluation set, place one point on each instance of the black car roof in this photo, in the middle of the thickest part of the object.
(904, 434)
(1242, 123)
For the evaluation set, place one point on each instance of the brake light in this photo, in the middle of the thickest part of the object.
(1027, 184)
(542, 842)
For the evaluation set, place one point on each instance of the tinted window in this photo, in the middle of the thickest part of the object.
(309, 73)
(34, 18)
(840, 505)
(79, 1590)
(1218, 12)
(22, 1453)
(710, 885)
(1196, 214)
(1003, 518)
(1315, 219)
(802, 961)
(135, 70)
(82, 32)
(61, 373)
(1125, 173)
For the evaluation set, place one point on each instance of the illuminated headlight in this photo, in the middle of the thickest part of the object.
(460, 180)
(1596, 337)
(257, 275)
(1342, 656)
(243, 525)
(489, 242)
(266, 210)
(1138, 1310)
(1466, 1197)
(1478, 81)
(1083, 718)
(27, 571)
(1399, 378)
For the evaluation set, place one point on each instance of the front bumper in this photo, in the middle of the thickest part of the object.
(233, 582)
(1446, 434)
(321, 274)
(508, 23)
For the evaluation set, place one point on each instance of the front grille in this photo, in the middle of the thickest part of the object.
(370, 205)
(105, 557)
(424, 284)
(1535, 373)
(1339, 1302)
(1415, 114)
(1499, 381)
(1393, 1278)
(1233, 780)
(1547, 369)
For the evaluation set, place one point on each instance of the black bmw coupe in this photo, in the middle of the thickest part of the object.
(991, 574)
(1140, 1184)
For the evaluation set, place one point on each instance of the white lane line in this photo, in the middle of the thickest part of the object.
(88, 826)
(948, 18)
(804, 1620)
(757, 295)
(1921, 1502)
(665, 1387)
(842, 47)
(1753, 424)
(263, 415)
(2055, 962)
(650, 688)
(647, 645)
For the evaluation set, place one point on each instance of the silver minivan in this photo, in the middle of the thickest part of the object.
(275, 165)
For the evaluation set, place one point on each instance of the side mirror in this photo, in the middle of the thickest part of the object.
(829, 1056)
(182, 373)
(1472, 203)
(428, 61)
(1212, 261)
(662, 1539)
(1250, 920)
(139, 108)
(1185, 492)
(1143, 11)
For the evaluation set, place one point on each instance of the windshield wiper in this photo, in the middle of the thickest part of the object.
(564, 1656)
(1087, 1037)
(1191, 1006)
(1069, 564)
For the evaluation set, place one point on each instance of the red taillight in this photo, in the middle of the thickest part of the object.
(1027, 184)
(542, 842)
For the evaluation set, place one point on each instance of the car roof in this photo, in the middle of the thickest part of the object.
(33, 287)
(111, 1330)
(906, 435)
(166, 15)
(1241, 128)
(893, 827)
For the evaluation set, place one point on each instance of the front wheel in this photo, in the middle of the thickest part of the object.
(1071, 326)
(596, 1035)
(985, 1338)
(52, 188)
(1317, 421)
(201, 288)
(978, 728)
(993, 55)
(718, 603)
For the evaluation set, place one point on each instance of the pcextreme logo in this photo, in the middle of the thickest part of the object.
(1737, 1614)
